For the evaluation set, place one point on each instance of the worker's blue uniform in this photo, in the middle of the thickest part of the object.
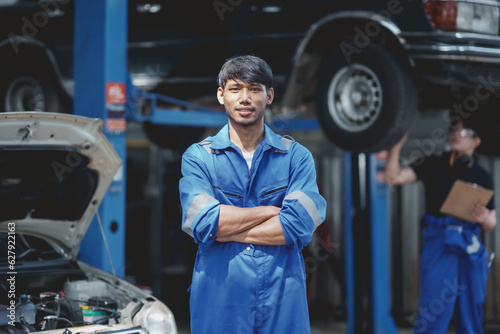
(453, 272)
(454, 262)
(246, 288)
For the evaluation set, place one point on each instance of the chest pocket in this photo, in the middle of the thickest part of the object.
(228, 197)
(223, 191)
(273, 195)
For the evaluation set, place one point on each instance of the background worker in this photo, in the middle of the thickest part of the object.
(453, 262)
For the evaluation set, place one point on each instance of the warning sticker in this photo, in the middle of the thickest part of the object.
(116, 125)
(115, 93)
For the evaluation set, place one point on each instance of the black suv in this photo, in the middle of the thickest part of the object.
(362, 66)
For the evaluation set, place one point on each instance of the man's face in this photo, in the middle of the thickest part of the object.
(245, 102)
(462, 139)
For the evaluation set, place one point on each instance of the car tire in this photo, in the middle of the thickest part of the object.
(29, 90)
(365, 104)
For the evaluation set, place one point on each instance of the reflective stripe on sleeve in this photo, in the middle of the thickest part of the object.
(287, 142)
(308, 204)
(197, 205)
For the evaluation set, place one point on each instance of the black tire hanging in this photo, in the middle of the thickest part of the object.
(365, 104)
(26, 86)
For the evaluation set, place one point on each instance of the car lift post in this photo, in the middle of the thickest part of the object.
(100, 60)
(366, 234)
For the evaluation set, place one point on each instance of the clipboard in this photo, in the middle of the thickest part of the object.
(462, 197)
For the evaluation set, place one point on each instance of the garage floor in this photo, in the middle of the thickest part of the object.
(331, 327)
(317, 328)
(336, 328)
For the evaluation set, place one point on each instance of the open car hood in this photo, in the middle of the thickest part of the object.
(54, 172)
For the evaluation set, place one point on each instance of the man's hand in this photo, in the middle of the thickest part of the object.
(487, 218)
(399, 145)
(480, 213)
(268, 233)
(395, 174)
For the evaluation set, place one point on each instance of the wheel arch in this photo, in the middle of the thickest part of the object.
(312, 52)
(29, 49)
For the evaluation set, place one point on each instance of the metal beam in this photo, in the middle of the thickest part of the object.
(100, 56)
(367, 260)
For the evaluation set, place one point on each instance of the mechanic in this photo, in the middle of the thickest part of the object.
(250, 201)
(454, 262)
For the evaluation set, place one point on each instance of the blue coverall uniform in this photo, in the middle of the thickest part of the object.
(454, 262)
(246, 288)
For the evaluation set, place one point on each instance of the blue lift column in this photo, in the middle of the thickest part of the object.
(100, 62)
(367, 258)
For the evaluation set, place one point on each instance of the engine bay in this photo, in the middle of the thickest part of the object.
(48, 292)
(79, 303)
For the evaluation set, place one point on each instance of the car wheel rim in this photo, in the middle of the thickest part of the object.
(355, 98)
(24, 94)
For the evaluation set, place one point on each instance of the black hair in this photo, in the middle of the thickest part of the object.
(248, 69)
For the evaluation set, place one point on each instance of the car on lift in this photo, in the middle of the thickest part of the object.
(363, 67)
(54, 172)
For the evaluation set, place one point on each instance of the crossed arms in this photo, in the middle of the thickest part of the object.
(208, 220)
(258, 225)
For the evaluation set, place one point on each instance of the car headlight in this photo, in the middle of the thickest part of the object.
(481, 17)
(156, 318)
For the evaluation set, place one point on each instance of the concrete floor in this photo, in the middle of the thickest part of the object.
(316, 328)
(331, 327)
(336, 328)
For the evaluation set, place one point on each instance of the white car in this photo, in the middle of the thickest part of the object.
(54, 172)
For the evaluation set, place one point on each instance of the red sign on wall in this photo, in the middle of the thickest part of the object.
(115, 93)
(115, 105)
(116, 125)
